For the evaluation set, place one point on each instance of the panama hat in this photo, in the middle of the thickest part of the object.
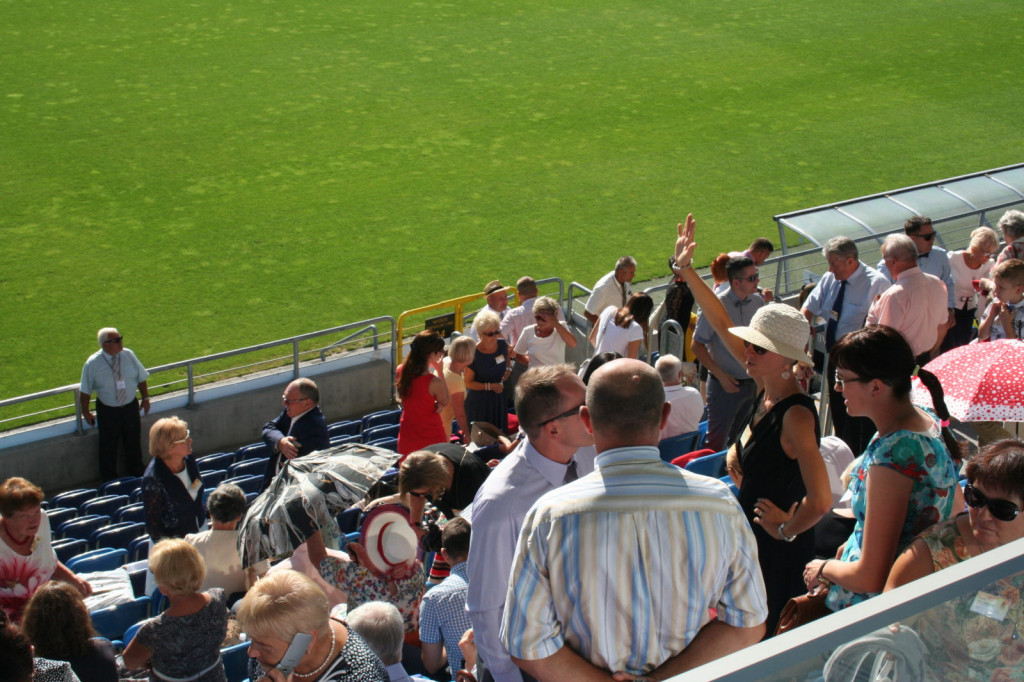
(388, 538)
(781, 329)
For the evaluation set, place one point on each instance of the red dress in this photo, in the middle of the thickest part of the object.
(421, 424)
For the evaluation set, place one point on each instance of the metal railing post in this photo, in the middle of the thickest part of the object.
(191, 385)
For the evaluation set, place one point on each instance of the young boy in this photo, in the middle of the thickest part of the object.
(1004, 318)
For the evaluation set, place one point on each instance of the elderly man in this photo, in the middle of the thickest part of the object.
(1012, 227)
(557, 449)
(300, 428)
(381, 625)
(842, 298)
(114, 374)
(497, 303)
(687, 405)
(915, 305)
(730, 391)
(612, 289)
(618, 571)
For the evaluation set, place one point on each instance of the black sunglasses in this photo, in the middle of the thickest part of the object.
(564, 415)
(757, 349)
(116, 339)
(927, 237)
(1004, 510)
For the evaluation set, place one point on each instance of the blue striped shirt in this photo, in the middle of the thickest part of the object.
(623, 565)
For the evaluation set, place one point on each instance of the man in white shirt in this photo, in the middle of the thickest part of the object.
(612, 289)
(687, 405)
(513, 324)
(557, 449)
(497, 303)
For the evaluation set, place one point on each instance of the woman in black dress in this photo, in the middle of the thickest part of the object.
(784, 489)
(485, 376)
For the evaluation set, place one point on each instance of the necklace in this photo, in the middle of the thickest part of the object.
(330, 655)
(11, 536)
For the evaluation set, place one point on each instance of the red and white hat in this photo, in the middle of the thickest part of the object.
(388, 537)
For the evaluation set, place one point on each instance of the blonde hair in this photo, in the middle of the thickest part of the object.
(485, 320)
(163, 434)
(985, 237)
(423, 470)
(177, 567)
(283, 604)
(462, 349)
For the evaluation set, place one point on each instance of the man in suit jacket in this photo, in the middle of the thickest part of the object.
(298, 430)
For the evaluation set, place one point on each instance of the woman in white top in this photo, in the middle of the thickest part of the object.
(544, 343)
(974, 262)
(621, 330)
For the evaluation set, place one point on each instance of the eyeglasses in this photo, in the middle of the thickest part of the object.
(285, 400)
(841, 382)
(428, 496)
(186, 439)
(1003, 510)
(116, 339)
(927, 237)
(564, 415)
(489, 333)
(752, 278)
(757, 349)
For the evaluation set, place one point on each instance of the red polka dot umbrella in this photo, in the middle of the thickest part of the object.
(982, 381)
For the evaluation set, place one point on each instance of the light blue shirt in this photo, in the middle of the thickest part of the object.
(443, 617)
(862, 287)
(740, 312)
(936, 262)
(500, 505)
(98, 376)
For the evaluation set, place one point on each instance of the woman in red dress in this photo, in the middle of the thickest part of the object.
(423, 394)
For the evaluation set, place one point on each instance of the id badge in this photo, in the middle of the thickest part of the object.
(991, 605)
(498, 359)
(121, 385)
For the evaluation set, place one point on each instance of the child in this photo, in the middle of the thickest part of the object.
(1004, 318)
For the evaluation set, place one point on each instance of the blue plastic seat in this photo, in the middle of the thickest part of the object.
(105, 559)
(344, 440)
(670, 448)
(249, 467)
(82, 527)
(133, 512)
(220, 460)
(248, 484)
(382, 418)
(345, 428)
(386, 443)
(212, 479)
(113, 621)
(120, 486)
(118, 535)
(138, 549)
(59, 515)
(253, 451)
(236, 662)
(67, 548)
(709, 465)
(74, 498)
(378, 432)
(727, 479)
(136, 495)
(108, 505)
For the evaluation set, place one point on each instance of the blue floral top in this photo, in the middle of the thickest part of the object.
(923, 458)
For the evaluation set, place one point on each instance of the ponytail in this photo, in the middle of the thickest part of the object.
(931, 382)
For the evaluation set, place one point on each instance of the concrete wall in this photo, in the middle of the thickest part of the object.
(225, 417)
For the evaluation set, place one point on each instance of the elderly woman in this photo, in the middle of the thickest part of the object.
(460, 355)
(422, 392)
(287, 603)
(485, 374)
(622, 330)
(172, 490)
(184, 641)
(57, 621)
(218, 546)
(969, 265)
(27, 559)
(1012, 226)
(543, 343)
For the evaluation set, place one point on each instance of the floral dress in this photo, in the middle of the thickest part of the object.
(363, 585)
(975, 637)
(923, 458)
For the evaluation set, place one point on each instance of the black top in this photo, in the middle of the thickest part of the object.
(98, 664)
(171, 511)
(470, 474)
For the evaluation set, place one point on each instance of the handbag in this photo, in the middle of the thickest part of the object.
(802, 609)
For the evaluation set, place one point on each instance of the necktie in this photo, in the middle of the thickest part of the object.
(570, 473)
(923, 255)
(122, 392)
(833, 319)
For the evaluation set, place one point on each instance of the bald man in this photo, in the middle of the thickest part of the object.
(623, 550)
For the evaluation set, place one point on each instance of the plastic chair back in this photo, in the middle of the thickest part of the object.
(74, 498)
(113, 621)
(108, 505)
(82, 527)
(118, 535)
(105, 559)
(121, 486)
(709, 465)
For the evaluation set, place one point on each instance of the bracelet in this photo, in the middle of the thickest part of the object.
(488, 385)
(782, 533)
(822, 580)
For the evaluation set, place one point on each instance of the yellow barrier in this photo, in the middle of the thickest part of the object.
(456, 305)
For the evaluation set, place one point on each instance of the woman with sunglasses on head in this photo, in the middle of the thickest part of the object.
(172, 489)
(423, 393)
(543, 342)
(486, 374)
(785, 488)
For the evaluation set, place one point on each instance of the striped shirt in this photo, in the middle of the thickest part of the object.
(623, 565)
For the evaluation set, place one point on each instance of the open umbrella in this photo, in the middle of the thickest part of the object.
(306, 495)
(981, 381)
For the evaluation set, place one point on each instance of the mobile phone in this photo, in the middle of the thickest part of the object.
(296, 650)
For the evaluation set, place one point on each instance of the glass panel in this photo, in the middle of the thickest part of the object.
(983, 192)
(1013, 177)
(932, 202)
(823, 225)
(881, 213)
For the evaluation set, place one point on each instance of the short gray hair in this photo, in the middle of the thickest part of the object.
(625, 262)
(842, 247)
(670, 369)
(546, 304)
(307, 389)
(985, 236)
(381, 625)
(226, 503)
(900, 248)
(102, 334)
(1012, 223)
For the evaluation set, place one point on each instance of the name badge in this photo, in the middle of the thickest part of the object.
(121, 385)
(499, 358)
(196, 484)
(991, 605)
(833, 315)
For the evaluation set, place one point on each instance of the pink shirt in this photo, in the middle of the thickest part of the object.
(915, 306)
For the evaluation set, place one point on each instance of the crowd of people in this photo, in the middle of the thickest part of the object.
(575, 552)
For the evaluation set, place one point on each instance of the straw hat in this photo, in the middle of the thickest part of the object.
(781, 329)
(388, 538)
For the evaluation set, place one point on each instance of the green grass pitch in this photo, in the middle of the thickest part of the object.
(207, 175)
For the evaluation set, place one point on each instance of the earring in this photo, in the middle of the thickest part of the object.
(786, 374)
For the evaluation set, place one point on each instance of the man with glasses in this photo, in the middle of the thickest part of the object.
(300, 428)
(611, 290)
(731, 392)
(557, 449)
(621, 570)
(114, 374)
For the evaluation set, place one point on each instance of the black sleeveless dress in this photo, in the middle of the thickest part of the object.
(769, 473)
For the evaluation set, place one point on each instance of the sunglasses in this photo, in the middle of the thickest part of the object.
(752, 278)
(427, 496)
(489, 333)
(1003, 510)
(116, 339)
(927, 237)
(757, 349)
(564, 415)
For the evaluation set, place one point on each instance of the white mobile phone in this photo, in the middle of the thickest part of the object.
(296, 650)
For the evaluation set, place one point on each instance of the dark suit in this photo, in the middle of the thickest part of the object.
(171, 511)
(310, 431)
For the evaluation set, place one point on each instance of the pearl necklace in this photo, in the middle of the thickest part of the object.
(330, 655)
